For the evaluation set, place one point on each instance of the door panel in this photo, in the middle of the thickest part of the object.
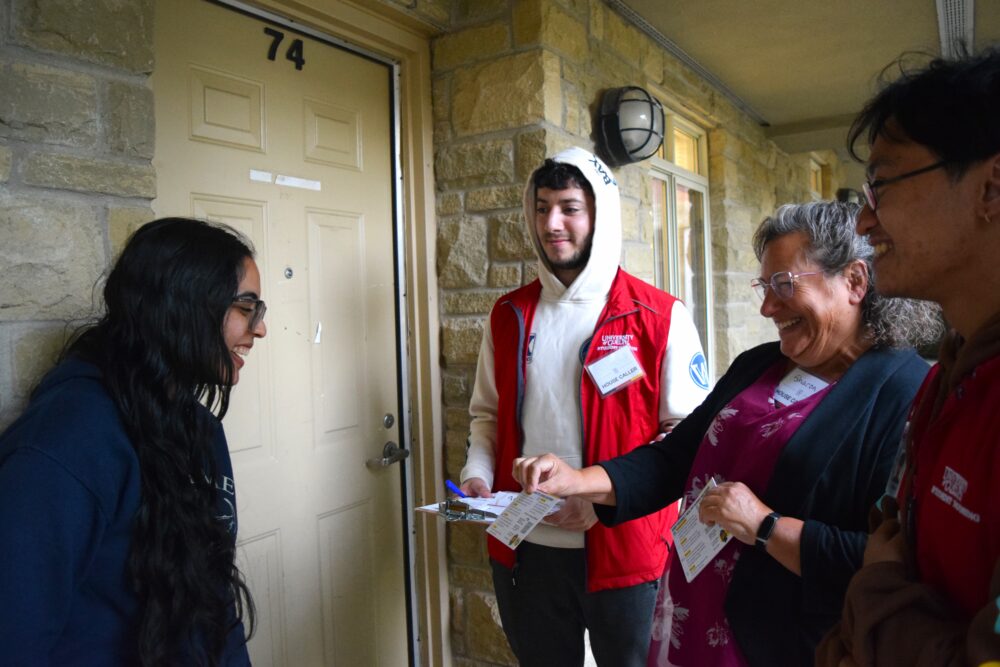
(301, 162)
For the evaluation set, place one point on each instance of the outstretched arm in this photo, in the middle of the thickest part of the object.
(550, 474)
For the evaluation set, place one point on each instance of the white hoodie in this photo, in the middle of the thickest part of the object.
(565, 318)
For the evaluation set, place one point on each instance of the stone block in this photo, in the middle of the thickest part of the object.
(471, 578)
(530, 272)
(118, 33)
(466, 545)
(545, 24)
(122, 223)
(530, 149)
(449, 203)
(461, 338)
(457, 607)
(469, 11)
(622, 37)
(462, 252)
(598, 10)
(441, 97)
(51, 257)
(476, 302)
(485, 637)
(455, 447)
(474, 163)
(35, 352)
(130, 120)
(470, 45)
(457, 419)
(504, 275)
(437, 12)
(68, 172)
(509, 238)
(639, 260)
(456, 387)
(652, 61)
(490, 199)
(630, 222)
(507, 92)
(6, 159)
(42, 104)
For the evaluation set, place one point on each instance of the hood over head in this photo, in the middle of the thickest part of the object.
(596, 278)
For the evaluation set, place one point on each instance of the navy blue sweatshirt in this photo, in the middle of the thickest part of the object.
(69, 490)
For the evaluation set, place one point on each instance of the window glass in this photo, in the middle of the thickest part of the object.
(685, 150)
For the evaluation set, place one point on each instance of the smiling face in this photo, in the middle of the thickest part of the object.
(564, 223)
(820, 325)
(235, 328)
(923, 231)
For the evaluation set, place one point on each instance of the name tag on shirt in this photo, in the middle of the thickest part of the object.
(797, 385)
(615, 371)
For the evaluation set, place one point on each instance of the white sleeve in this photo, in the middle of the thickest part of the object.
(684, 374)
(481, 457)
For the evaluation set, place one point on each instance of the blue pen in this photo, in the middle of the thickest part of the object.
(454, 489)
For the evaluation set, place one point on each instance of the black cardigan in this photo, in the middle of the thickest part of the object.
(832, 470)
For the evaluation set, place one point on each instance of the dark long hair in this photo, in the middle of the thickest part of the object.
(161, 352)
(949, 106)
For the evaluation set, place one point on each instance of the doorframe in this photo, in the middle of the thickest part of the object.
(403, 44)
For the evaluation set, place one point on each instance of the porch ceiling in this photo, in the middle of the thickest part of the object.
(805, 68)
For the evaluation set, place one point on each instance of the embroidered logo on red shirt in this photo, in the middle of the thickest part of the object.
(954, 483)
(616, 341)
(954, 487)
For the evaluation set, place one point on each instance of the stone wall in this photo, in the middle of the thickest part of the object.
(515, 81)
(76, 142)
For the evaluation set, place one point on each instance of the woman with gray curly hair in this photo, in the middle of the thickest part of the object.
(800, 437)
(833, 245)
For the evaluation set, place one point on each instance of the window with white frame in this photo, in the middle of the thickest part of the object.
(682, 246)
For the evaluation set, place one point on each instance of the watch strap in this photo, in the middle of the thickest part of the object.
(765, 530)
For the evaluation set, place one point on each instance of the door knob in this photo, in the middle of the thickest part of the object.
(391, 453)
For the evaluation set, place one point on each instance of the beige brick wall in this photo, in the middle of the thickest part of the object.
(513, 83)
(76, 142)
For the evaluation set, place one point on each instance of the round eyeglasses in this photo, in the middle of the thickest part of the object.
(870, 188)
(254, 308)
(782, 283)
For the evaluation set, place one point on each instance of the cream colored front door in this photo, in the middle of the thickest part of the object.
(289, 140)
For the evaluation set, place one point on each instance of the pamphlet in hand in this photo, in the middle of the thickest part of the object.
(522, 515)
(697, 543)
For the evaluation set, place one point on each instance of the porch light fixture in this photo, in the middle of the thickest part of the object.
(630, 125)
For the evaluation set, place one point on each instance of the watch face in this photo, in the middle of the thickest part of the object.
(766, 528)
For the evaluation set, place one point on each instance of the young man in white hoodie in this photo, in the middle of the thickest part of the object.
(540, 389)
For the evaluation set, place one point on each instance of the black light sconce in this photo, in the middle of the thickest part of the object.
(630, 125)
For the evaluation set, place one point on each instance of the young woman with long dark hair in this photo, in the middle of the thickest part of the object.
(117, 500)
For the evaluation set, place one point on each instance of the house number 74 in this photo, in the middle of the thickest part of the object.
(294, 52)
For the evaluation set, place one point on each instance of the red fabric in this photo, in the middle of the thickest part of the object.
(635, 551)
(955, 477)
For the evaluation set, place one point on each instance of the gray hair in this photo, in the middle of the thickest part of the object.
(834, 244)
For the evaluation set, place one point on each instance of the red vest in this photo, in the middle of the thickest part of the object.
(636, 314)
(955, 477)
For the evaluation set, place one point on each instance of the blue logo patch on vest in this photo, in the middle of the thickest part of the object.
(698, 369)
(531, 347)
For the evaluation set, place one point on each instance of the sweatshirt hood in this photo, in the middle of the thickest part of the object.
(595, 280)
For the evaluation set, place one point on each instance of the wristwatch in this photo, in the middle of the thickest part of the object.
(765, 530)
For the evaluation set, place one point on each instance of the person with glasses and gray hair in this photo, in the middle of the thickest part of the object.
(799, 435)
(929, 591)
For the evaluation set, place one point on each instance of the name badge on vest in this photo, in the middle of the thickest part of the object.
(795, 386)
(615, 371)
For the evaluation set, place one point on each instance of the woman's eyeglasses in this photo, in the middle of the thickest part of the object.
(783, 283)
(254, 307)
